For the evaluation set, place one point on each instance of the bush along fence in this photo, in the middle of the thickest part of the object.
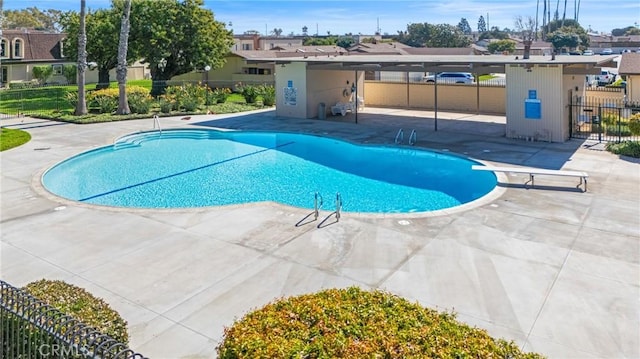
(170, 96)
(30, 328)
(605, 120)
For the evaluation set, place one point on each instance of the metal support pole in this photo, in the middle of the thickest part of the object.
(356, 95)
(435, 98)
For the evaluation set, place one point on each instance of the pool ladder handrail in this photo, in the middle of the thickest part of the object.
(338, 206)
(399, 137)
(413, 138)
(156, 122)
(316, 206)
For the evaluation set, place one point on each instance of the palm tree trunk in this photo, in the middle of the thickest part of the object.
(81, 106)
(564, 13)
(121, 70)
(537, 8)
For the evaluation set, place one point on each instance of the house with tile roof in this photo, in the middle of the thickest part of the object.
(630, 70)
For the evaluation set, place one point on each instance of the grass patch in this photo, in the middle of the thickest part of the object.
(627, 148)
(10, 138)
(353, 323)
(486, 77)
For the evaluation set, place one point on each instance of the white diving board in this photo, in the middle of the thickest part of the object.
(536, 171)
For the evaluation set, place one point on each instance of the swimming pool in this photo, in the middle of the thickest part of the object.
(198, 168)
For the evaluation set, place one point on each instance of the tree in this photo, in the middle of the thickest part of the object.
(304, 30)
(633, 31)
(442, 35)
(564, 38)
(32, 18)
(501, 46)
(464, 27)
(494, 33)
(320, 41)
(527, 29)
(177, 37)
(81, 106)
(570, 26)
(121, 71)
(42, 73)
(482, 25)
(345, 41)
(276, 32)
(102, 31)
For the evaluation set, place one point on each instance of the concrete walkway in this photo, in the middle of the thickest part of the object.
(552, 268)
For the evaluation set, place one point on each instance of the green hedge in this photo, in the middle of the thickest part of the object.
(353, 323)
(82, 305)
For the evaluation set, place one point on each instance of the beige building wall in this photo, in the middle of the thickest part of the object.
(548, 83)
(329, 87)
(291, 100)
(231, 74)
(633, 88)
(451, 97)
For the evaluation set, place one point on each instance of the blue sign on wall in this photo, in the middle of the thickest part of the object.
(532, 106)
(290, 83)
(532, 109)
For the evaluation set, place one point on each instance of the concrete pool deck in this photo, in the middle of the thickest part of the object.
(552, 268)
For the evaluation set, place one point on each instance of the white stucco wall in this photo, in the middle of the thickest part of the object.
(294, 74)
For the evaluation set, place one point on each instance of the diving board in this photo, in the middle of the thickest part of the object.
(537, 171)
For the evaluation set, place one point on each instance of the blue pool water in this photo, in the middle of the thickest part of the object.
(196, 168)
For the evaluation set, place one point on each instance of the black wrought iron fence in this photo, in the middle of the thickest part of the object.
(605, 120)
(31, 329)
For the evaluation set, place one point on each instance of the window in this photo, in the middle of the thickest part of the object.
(246, 46)
(4, 75)
(61, 44)
(256, 71)
(18, 50)
(3, 48)
(57, 69)
(271, 46)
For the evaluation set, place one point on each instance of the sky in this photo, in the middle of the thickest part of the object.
(390, 16)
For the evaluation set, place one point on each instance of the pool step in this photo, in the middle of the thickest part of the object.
(133, 140)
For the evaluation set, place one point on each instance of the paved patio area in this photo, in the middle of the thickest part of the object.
(552, 268)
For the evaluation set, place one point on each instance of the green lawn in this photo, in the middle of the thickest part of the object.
(10, 138)
(486, 77)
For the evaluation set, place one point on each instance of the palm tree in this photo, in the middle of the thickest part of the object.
(81, 106)
(121, 69)
(564, 13)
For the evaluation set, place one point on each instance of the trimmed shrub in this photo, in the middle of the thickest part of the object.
(106, 100)
(268, 94)
(82, 305)
(70, 72)
(139, 99)
(165, 105)
(627, 148)
(250, 93)
(72, 98)
(218, 95)
(42, 73)
(634, 124)
(188, 97)
(352, 323)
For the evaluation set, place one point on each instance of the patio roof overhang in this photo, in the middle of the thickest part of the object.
(479, 64)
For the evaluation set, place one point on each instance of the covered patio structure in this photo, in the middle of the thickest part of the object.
(538, 89)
